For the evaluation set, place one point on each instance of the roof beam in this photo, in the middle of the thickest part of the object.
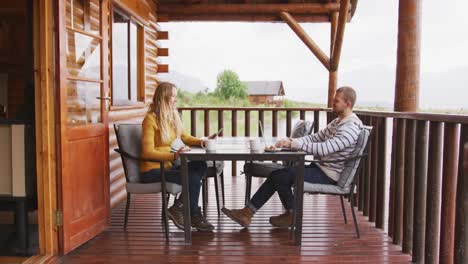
(248, 9)
(323, 58)
(343, 17)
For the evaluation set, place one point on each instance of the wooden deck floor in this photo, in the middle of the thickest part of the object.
(326, 239)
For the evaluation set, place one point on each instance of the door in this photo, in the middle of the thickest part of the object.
(82, 67)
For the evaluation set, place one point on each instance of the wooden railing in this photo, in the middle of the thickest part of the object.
(424, 212)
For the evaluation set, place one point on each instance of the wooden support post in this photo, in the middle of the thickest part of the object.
(408, 59)
(207, 122)
(431, 250)
(342, 19)
(449, 192)
(193, 122)
(323, 58)
(332, 74)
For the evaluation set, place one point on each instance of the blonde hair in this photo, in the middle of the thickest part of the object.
(348, 93)
(167, 118)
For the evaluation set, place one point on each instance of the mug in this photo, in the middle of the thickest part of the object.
(209, 145)
(255, 145)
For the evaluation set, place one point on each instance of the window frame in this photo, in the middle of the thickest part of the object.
(140, 61)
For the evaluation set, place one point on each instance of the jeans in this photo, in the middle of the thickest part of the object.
(196, 172)
(281, 181)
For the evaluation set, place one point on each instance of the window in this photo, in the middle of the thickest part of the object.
(126, 64)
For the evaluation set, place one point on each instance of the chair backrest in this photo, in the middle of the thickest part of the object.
(302, 128)
(348, 175)
(129, 140)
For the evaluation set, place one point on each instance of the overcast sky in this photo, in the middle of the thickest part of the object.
(271, 51)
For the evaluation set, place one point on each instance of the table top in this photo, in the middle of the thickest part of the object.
(236, 148)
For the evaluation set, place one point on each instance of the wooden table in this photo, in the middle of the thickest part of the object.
(236, 148)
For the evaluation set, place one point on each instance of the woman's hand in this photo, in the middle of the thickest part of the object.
(283, 143)
(182, 149)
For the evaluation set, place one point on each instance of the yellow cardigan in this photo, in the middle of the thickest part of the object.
(153, 148)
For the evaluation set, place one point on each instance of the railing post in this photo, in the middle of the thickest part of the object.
(381, 172)
(373, 169)
(408, 214)
(288, 123)
(420, 183)
(221, 121)
(193, 122)
(461, 219)
(316, 121)
(431, 250)
(261, 119)
(399, 182)
(207, 122)
(274, 118)
(391, 202)
(234, 134)
(247, 123)
(449, 192)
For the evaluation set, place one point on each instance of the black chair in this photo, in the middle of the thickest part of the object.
(264, 169)
(347, 180)
(129, 142)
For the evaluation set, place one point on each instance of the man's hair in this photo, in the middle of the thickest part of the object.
(348, 93)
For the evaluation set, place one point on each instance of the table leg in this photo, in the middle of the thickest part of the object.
(299, 196)
(186, 201)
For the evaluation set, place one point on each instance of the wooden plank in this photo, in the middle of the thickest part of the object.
(332, 75)
(461, 232)
(323, 229)
(193, 122)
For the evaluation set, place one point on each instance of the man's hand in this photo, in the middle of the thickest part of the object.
(283, 143)
(182, 149)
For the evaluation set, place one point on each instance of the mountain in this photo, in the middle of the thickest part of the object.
(184, 81)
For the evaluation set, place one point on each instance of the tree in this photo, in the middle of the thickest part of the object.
(229, 85)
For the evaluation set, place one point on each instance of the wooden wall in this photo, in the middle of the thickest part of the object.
(13, 52)
(142, 9)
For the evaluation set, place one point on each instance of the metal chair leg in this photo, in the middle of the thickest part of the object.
(222, 187)
(164, 215)
(248, 187)
(354, 215)
(217, 193)
(343, 209)
(204, 194)
(127, 207)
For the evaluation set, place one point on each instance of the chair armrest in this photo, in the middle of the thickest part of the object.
(338, 160)
(130, 156)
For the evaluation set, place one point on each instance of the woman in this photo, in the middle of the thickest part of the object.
(163, 128)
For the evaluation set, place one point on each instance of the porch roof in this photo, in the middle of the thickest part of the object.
(249, 11)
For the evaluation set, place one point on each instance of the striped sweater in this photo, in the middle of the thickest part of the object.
(336, 141)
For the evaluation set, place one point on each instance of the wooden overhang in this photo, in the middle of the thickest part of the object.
(250, 10)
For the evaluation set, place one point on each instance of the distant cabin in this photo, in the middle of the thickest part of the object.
(266, 92)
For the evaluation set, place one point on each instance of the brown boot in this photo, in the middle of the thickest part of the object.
(241, 216)
(200, 223)
(283, 220)
(176, 214)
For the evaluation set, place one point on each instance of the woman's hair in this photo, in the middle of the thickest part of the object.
(167, 118)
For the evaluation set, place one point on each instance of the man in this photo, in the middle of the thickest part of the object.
(336, 141)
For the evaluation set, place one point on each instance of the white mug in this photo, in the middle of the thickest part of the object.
(209, 145)
(255, 145)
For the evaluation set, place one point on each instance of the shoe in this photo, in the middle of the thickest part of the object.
(176, 214)
(241, 216)
(200, 223)
(283, 220)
